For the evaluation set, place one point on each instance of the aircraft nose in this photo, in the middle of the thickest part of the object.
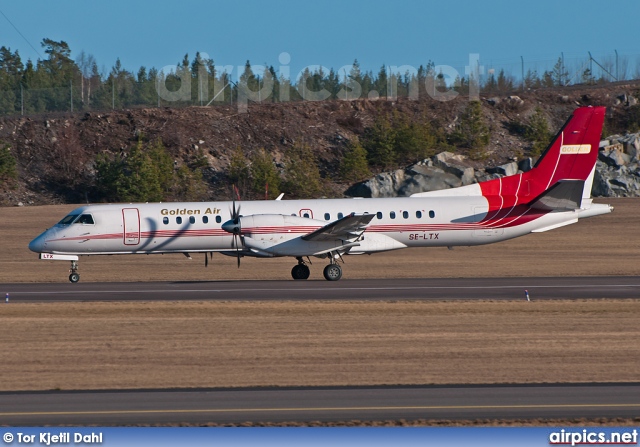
(231, 226)
(37, 245)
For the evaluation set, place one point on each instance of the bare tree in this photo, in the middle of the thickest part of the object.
(86, 63)
(608, 64)
(623, 67)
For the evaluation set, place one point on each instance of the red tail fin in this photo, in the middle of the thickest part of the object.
(574, 151)
(571, 156)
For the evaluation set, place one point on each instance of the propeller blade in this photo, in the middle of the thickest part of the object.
(235, 242)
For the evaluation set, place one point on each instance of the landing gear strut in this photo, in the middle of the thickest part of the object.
(301, 270)
(74, 277)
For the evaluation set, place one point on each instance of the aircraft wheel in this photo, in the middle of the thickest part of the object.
(74, 278)
(332, 272)
(300, 271)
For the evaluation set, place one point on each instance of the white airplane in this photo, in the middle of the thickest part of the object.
(556, 192)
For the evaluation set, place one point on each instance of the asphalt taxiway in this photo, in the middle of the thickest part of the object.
(626, 287)
(304, 405)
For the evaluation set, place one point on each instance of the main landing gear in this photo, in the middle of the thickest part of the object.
(300, 271)
(331, 272)
(74, 277)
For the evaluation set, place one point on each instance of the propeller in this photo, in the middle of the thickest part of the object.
(235, 218)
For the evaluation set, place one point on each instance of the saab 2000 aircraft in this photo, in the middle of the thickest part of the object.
(554, 193)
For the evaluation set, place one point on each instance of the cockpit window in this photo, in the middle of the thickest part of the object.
(68, 219)
(86, 219)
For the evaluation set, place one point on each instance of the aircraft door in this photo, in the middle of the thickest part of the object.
(131, 226)
(305, 212)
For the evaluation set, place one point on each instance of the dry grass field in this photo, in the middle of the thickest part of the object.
(211, 344)
(603, 245)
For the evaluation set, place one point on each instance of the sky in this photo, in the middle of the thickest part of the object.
(330, 33)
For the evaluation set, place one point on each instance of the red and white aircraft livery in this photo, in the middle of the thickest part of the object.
(556, 192)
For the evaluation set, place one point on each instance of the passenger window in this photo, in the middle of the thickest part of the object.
(379, 215)
(327, 216)
(340, 215)
(192, 219)
(165, 220)
(392, 214)
(178, 220)
(419, 214)
(306, 215)
(85, 219)
(218, 219)
(432, 214)
(405, 214)
(205, 219)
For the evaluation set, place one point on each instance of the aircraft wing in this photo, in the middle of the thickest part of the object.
(346, 228)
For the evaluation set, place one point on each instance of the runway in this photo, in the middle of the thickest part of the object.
(304, 405)
(607, 287)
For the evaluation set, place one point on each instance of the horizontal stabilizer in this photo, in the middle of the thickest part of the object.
(345, 228)
(566, 195)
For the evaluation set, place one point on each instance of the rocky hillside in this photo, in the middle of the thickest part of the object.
(56, 153)
(617, 172)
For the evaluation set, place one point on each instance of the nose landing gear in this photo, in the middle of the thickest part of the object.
(74, 277)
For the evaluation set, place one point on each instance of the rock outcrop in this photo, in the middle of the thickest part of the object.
(617, 173)
(618, 169)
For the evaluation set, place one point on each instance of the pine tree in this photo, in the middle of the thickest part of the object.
(302, 176)
(505, 83)
(239, 170)
(531, 79)
(163, 163)
(413, 141)
(263, 173)
(537, 132)
(559, 74)
(248, 78)
(11, 70)
(379, 142)
(140, 181)
(381, 82)
(490, 85)
(146, 174)
(354, 166)
(472, 132)
(8, 164)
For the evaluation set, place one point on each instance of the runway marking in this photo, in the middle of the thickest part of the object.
(302, 409)
(69, 292)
